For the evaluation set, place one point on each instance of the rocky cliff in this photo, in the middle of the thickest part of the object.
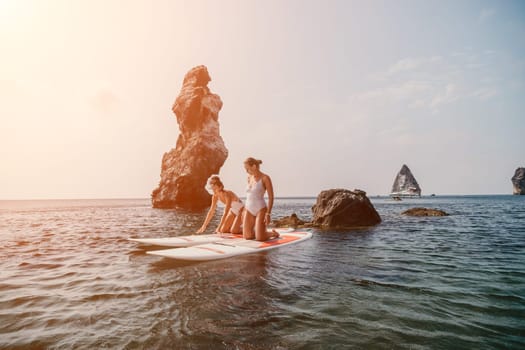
(518, 181)
(405, 184)
(200, 150)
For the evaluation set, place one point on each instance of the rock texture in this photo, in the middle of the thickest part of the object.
(405, 184)
(518, 181)
(424, 212)
(200, 150)
(290, 221)
(340, 208)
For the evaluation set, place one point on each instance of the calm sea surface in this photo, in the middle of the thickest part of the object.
(69, 278)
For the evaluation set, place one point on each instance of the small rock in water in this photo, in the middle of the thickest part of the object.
(289, 221)
(424, 212)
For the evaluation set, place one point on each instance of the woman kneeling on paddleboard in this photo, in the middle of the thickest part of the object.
(232, 218)
(257, 215)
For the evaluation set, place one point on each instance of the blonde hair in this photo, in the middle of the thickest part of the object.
(216, 180)
(252, 161)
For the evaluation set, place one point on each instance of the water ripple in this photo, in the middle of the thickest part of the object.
(69, 278)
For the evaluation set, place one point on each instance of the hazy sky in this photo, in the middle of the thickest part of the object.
(327, 93)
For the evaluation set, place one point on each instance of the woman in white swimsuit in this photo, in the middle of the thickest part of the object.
(232, 218)
(257, 214)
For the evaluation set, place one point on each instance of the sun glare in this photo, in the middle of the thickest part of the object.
(6, 8)
(12, 12)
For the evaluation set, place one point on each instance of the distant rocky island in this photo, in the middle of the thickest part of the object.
(518, 182)
(405, 184)
(200, 151)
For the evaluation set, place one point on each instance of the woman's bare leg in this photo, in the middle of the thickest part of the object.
(236, 226)
(261, 233)
(227, 224)
(247, 225)
(260, 226)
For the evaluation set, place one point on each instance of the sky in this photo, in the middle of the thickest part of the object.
(328, 94)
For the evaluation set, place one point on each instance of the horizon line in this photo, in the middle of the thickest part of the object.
(243, 197)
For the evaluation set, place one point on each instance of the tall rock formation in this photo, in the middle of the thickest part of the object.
(200, 150)
(518, 181)
(405, 184)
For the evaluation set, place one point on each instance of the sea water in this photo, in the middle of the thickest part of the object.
(69, 278)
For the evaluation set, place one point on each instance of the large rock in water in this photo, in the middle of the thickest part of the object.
(340, 208)
(518, 181)
(405, 184)
(200, 150)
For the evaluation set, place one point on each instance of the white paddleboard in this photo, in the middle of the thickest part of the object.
(234, 247)
(188, 241)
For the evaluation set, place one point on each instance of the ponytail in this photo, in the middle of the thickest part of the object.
(252, 161)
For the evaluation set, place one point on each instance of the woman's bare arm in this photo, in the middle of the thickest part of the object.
(210, 214)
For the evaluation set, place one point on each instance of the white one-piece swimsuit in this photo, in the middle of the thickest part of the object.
(236, 207)
(255, 197)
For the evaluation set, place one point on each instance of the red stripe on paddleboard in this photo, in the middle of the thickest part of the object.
(282, 239)
(210, 249)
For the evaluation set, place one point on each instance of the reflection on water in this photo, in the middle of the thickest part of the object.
(69, 278)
